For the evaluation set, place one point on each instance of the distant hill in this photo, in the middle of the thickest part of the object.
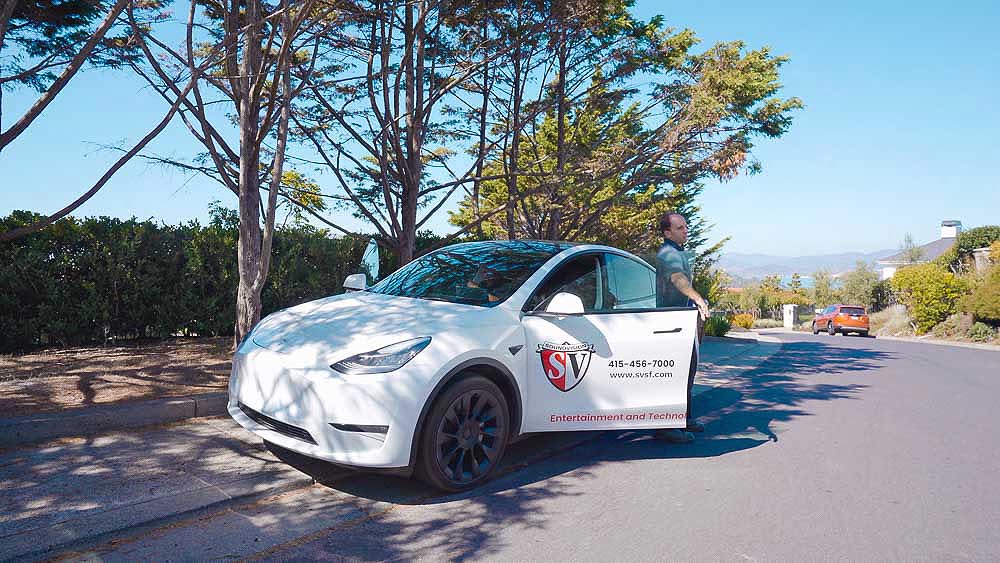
(745, 268)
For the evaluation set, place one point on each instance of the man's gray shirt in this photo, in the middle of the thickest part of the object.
(670, 259)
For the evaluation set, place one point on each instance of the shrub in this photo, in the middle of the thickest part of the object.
(883, 296)
(717, 326)
(954, 326)
(959, 255)
(984, 301)
(891, 322)
(981, 332)
(767, 323)
(97, 279)
(743, 320)
(929, 292)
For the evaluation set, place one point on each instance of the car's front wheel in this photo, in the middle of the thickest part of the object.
(830, 330)
(815, 330)
(465, 435)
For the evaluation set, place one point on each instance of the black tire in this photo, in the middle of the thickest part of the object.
(830, 330)
(863, 334)
(464, 436)
(815, 330)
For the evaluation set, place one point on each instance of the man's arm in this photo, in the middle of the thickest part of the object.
(683, 284)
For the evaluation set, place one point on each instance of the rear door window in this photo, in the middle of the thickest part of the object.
(631, 285)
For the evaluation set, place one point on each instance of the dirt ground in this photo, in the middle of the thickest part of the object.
(67, 378)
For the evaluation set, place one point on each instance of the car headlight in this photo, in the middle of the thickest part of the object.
(383, 360)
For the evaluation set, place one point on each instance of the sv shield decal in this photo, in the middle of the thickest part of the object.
(565, 365)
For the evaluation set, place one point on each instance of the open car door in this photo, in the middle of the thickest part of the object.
(620, 363)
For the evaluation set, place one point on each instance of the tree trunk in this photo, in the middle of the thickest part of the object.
(483, 113)
(552, 232)
(414, 124)
(249, 246)
(513, 168)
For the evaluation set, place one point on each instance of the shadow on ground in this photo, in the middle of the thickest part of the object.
(740, 416)
(58, 379)
(67, 485)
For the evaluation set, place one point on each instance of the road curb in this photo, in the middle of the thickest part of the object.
(914, 339)
(80, 534)
(30, 429)
(975, 345)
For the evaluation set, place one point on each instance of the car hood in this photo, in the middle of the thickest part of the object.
(331, 329)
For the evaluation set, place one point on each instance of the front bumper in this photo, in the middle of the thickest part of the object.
(364, 421)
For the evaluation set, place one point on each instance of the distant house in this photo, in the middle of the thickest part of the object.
(927, 252)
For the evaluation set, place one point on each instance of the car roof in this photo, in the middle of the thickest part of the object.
(553, 246)
(557, 249)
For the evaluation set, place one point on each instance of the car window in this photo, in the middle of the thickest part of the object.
(579, 276)
(852, 311)
(481, 273)
(631, 285)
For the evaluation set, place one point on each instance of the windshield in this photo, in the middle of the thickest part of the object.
(852, 311)
(475, 273)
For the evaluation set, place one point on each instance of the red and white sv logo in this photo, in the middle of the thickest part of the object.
(565, 365)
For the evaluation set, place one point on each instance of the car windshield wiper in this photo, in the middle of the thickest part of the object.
(456, 299)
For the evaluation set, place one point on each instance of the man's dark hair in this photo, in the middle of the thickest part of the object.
(665, 219)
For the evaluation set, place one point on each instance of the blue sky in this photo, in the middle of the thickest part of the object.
(898, 132)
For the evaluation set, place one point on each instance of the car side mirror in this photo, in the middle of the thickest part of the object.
(355, 282)
(565, 304)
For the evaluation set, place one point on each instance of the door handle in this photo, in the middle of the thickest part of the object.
(666, 331)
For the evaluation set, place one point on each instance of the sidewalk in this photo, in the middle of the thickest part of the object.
(739, 351)
(79, 490)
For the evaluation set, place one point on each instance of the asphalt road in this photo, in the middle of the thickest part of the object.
(835, 448)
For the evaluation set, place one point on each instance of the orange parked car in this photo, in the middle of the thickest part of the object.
(842, 319)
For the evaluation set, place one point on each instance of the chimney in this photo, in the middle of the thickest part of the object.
(950, 229)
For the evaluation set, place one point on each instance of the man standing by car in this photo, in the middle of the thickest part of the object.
(674, 289)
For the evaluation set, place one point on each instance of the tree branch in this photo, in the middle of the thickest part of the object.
(42, 102)
(21, 231)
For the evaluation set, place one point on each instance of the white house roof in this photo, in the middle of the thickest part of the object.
(928, 252)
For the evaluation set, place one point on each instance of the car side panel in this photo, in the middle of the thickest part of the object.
(608, 371)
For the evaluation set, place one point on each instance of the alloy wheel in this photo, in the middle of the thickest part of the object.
(468, 438)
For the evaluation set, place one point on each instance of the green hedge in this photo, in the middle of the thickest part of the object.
(99, 279)
(929, 292)
(959, 256)
(984, 301)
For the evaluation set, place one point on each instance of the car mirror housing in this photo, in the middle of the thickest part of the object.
(355, 282)
(565, 304)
